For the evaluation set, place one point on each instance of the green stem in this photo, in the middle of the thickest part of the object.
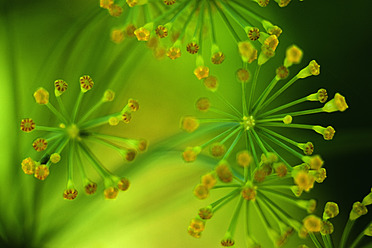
(262, 98)
(315, 240)
(304, 99)
(235, 217)
(227, 22)
(346, 232)
(223, 99)
(91, 110)
(77, 106)
(277, 93)
(232, 146)
(55, 112)
(298, 113)
(253, 87)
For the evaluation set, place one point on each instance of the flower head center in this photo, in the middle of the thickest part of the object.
(73, 131)
(248, 122)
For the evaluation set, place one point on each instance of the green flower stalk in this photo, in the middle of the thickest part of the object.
(72, 138)
(264, 181)
(187, 23)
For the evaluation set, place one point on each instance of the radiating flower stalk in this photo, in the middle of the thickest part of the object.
(185, 25)
(322, 226)
(73, 136)
(264, 181)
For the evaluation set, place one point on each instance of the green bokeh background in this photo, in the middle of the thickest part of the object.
(41, 41)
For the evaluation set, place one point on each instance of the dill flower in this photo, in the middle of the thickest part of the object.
(186, 24)
(69, 140)
(261, 178)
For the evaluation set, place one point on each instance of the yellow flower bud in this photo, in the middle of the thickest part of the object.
(41, 172)
(203, 104)
(368, 199)
(192, 47)
(312, 69)
(312, 223)
(293, 56)
(223, 172)
(174, 53)
(327, 132)
(190, 154)
(249, 193)
(70, 194)
(90, 188)
(86, 83)
(106, 3)
(211, 83)
(338, 103)
(111, 192)
(358, 210)
(41, 96)
(327, 228)
(28, 166)
(189, 123)
(60, 87)
(247, 51)
(330, 210)
(205, 213)
(208, 180)
(217, 149)
(113, 121)
(201, 72)
(142, 34)
(115, 10)
(243, 75)
(55, 158)
(161, 31)
(253, 33)
(201, 191)
(217, 58)
(117, 36)
(40, 144)
(243, 158)
(282, 72)
(108, 96)
(320, 96)
(287, 119)
(123, 184)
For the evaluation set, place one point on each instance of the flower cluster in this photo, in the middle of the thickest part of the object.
(72, 136)
(314, 224)
(263, 179)
(189, 22)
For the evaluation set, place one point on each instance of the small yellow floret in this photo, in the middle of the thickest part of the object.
(253, 33)
(90, 188)
(367, 200)
(338, 103)
(197, 225)
(117, 36)
(282, 72)
(217, 58)
(358, 210)
(126, 117)
(330, 210)
(190, 154)
(203, 104)
(223, 172)
(304, 180)
(327, 228)
(287, 119)
(40, 144)
(283, 3)
(41, 96)
(201, 72)
(280, 169)
(133, 105)
(111, 192)
(60, 87)
(206, 213)
(41, 172)
(169, 2)
(217, 149)
(243, 75)
(70, 194)
(211, 83)
(86, 83)
(271, 42)
(106, 3)
(28, 166)
(247, 51)
(123, 184)
(312, 69)
(208, 180)
(312, 223)
(132, 3)
(201, 191)
(249, 193)
(113, 121)
(192, 47)
(174, 53)
(55, 158)
(327, 132)
(293, 55)
(108, 96)
(115, 10)
(243, 158)
(189, 123)
(142, 34)
(161, 31)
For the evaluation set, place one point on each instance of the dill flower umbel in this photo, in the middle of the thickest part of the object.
(72, 136)
(261, 179)
(183, 26)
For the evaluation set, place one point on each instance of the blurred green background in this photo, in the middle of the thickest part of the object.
(41, 41)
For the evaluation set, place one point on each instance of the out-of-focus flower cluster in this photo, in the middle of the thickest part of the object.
(73, 136)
